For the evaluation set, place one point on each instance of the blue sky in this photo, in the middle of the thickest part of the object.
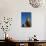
(24, 15)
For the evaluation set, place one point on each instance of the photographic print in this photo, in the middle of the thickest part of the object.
(26, 19)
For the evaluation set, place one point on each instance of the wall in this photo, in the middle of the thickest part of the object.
(45, 28)
(13, 8)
